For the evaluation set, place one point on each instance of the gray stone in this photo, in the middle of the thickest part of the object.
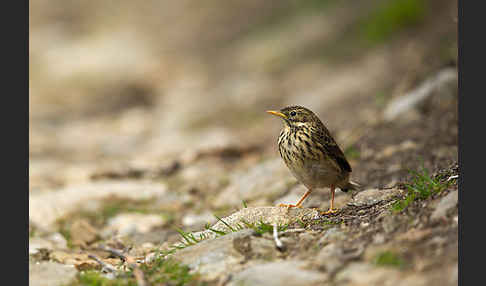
(407, 102)
(330, 258)
(50, 274)
(256, 215)
(290, 272)
(37, 243)
(446, 203)
(215, 257)
(373, 196)
(53, 241)
(270, 215)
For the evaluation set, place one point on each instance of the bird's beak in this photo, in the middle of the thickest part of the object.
(276, 113)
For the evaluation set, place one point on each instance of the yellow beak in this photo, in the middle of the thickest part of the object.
(276, 113)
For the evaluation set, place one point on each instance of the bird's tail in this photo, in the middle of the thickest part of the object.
(350, 186)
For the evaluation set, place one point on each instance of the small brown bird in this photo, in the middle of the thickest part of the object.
(311, 154)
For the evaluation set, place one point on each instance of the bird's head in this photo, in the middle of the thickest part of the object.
(296, 116)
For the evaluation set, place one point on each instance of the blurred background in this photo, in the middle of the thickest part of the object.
(175, 93)
(125, 80)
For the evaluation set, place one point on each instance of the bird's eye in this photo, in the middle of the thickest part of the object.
(293, 113)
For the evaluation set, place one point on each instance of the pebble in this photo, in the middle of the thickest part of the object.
(290, 272)
(371, 197)
(50, 273)
(131, 223)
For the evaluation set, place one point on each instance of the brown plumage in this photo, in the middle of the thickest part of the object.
(311, 153)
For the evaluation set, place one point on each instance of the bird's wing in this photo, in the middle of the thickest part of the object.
(332, 149)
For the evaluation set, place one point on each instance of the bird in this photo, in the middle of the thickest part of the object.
(311, 154)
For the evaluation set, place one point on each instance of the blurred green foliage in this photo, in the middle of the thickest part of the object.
(422, 187)
(391, 17)
(389, 258)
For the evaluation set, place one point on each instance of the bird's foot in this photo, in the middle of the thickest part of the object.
(330, 211)
(288, 206)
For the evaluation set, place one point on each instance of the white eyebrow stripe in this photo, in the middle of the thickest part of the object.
(299, 124)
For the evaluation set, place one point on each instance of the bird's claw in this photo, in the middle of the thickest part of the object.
(288, 206)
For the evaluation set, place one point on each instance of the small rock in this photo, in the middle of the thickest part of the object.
(58, 240)
(131, 223)
(214, 257)
(243, 245)
(82, 233)
(330, 258)
(265, 249)
(256, 215)
(36, 244)
(291, 272)
(40, 254)
(446, 203)
(373, 196)
(53, 241)
(270, 215)
(50, 274)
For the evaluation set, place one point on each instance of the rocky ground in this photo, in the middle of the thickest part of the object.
(152, 161)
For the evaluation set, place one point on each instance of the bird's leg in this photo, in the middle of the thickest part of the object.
(331, 208)
(299, 203)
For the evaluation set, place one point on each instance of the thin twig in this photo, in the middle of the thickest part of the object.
(278, 242)
(130, 260)
(104, 266)
(114, 252)
(452, 177)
